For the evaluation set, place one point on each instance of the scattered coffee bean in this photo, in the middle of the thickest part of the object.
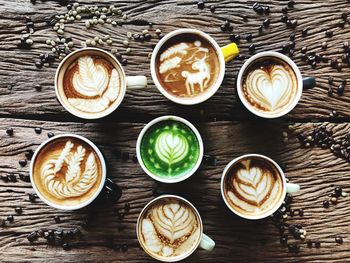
(28, 154)
(339, 240)
(37, 130)
(325, 203)
(200, 4)
(340, 89)
(301, 212)
(212, 8)
(66, 246)
(32, 236)
(22, 162)
(329, 33)
(57, 219)
(32, 197)
(344, 16)
(249, 37)
(338, 191)
(309, 243)
(18, 210)
(252, 48)
(304, 32)
(266, 22)
(9, 131)
(284, 239)
(330, 91)
(317, 244)
(291, 3)
(235, 38)
(127, 207)
(10, 218)
(303, 50)
(50, 134)
(284, 19)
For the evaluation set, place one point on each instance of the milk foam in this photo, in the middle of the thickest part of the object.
(63, 176)
(170, 229)
(97, 88)
(270, 90)
(253, 189)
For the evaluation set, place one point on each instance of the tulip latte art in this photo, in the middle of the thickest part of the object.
(169, 148)
(269, 85)
(253, 186)
(169, 228)
(187, 65)
(91, 84)
(67, 171)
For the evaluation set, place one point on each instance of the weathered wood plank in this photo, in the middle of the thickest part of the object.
(237, 240)
(19, 75)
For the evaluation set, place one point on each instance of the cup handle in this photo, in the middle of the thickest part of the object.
(230, 51)
(136, 82)
(292, 188)
(206, 243)
(309, 82)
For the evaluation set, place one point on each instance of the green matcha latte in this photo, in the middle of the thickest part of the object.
(169, 149)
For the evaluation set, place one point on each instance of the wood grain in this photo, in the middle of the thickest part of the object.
(236, 239)
(19, 75)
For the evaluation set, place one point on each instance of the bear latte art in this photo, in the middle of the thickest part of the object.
(169, 228)
(187, 65)
(91, 84)
(253, 186)
(67, 171)
(269, 85)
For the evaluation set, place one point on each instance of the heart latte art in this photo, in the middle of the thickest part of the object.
(253, 187)
(270, 86)
(91, 84)
(169, 228)
(169, 148)
(67, 171)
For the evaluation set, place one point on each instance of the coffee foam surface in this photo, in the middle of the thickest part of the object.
(67, 171)
(270, 88)
(170, 228)
(252, 187)
(92, 84)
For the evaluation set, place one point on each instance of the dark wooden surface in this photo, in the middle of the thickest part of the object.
(227, 129)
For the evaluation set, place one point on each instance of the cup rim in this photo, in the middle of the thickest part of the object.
(207, 94)
(108, 111)
(286, 59)
(277, 205)
(144, 209)
(103, 176)
(195, 131)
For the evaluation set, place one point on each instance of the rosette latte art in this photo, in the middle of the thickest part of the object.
(170, 228)
(253, 187)
(67, 171)
(92, 84)
(270, 86)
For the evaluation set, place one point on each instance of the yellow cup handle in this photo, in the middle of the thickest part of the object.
(230, 51)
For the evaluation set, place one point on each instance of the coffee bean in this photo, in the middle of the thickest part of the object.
(50, 134)
(32, 197)
(10, 218)
(344, 16)
(127, 207)
(284, 10)
(252, 48)
(304, 32)
(338, 191)
(291, 3)
(284, 239)
(303, 50)
(309, 243)
(124, 62)
(267, 10)
(284, 18)
(66, 246)
(346, 45)
(261, 29)
(18, 210)
(325, 203)
(249, 37)
(339, 240)
(212, 8)
(32, 236)
(22, 162)
(235, 38)
(266, 22)
(301, 212)
(330, 92)
(317, 244)
(329, 33)
(57, 219)
(292, 37)
(340, 89)
(37, 130)
(28, 154)
(200, 4)
(9, 131)
(37, 87)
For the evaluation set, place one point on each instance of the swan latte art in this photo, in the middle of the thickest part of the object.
(169, 148)
(91, 84)
(169, 229)
(187, 65)
(253, 186)
(67, 171)
(269, 85)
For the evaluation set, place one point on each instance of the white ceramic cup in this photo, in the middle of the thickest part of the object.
(287, 187)
(225, 53)
(307, 82)
(204, 241)
(163, 179)
(98, 190)
(128, 82)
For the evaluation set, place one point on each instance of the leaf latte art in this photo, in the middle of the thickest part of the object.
(92, 84)
(253, 187)
(270, 88)
(169, 148)
(76, 182)
(170, 228)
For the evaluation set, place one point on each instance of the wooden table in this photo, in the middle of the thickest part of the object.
(227, 128)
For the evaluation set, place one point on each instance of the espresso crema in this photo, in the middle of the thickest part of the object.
(269, 85)
(253, 186)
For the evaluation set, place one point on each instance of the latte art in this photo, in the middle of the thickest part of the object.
(92, 84)
(253, 187)
(187, 66)
(270, 85)
(67, 171)
(169, 228)
(169, 148)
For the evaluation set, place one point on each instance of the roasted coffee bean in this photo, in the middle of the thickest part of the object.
(301, 212)
(317, 244)
(338, 191)
(37, 130)
(9, 131)
(284, 10)
(37, 87)
(261, 29)
(304, 32)
(235, 38)
(344, 16)
(330, 92)
(22, 162)
(57, 219)
(200, 4)
(38, 64)
(32, 197)
(249, 37)
(339, 240)
(50, 134)
(252, 48)
(212, 8)
(18, 210)
(127, 207)
(32, 236)
(303, 50)
(340, 89)
(266, 22)
(66, 246)
(284, 19)
(284, 239)
(267, 10)
(124, 62)
(10, 218)
(346, 45)
(329, 33)
(309, 243)
(292, 37)
(28, 154)
(291, 3)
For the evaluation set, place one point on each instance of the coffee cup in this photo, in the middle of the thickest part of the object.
(169, 149)
(67, 172)
(254, 186)
(270, 84)
(188, 66)
(169, 229)
(90, 83)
